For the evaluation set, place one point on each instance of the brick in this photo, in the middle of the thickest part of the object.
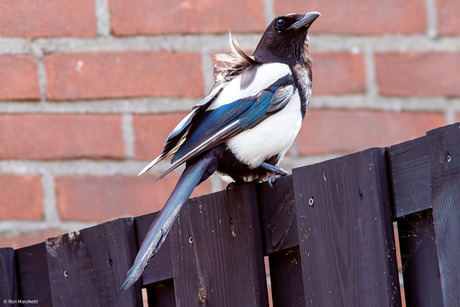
(448, 21)
(200, 16)
(418, 74)
(97, 75)
(346, 131)
(338, 73)
(151, 132)
(361, 17)
(21, 197)
(27, 239)
(18, 77)
(24, 18)
(52, 136)
(101, 198)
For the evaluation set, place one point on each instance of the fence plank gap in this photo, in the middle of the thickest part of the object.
(422, 282)
(286, 278)
(161, 294)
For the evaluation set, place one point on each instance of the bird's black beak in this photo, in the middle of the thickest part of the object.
(306, 20)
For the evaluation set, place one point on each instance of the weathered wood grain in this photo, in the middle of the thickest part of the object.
(410, 173)
(217, 251)
(8, 283)
(122, 246)
(279, 221)
(87, 267)
(346, 232)
(32, 266)
(445, 182)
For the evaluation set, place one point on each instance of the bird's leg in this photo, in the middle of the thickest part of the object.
(275, 169)
(279, 173)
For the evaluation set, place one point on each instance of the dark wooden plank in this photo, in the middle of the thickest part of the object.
(279, 220)
(79, 269)
(8, 283)
(161, 294)
(286, 278)
(445, 182)
(32, 274)
(86, 270)
(217, 250)
(122, 245)
(409, 169)
(346, 231)
(159, 267)
(422, 281)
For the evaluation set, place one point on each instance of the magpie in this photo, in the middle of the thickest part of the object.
(244, 126)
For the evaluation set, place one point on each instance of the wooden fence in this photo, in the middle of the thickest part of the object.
(327, 230)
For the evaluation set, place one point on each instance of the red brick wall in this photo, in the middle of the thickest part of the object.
(90, 89)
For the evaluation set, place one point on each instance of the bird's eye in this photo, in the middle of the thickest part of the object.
(280, 23)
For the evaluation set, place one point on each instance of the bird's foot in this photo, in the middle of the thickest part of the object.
(275, 169)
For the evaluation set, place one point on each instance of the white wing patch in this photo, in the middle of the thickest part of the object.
(266, 75)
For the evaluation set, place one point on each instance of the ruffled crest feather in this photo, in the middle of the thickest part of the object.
(233, 64)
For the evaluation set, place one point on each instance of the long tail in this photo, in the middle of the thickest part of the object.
(197, 171)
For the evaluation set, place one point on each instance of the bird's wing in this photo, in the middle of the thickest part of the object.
(216, 126)
(179, 133)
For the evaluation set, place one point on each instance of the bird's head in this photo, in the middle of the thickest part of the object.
(285, 40)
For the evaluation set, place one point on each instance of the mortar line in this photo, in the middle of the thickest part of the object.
(207, 65)
(219, 42)
(269, 10)
(16, 227)
(81, 167)
(449, 113)
(432, 18)
(216, 183)
(102, 17)
(371, 81)
(164, 106)
(50, 207)
(41, 71)
(129, 136)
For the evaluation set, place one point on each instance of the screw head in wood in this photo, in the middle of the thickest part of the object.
(311, 201)
(190, 240)
(448, 158)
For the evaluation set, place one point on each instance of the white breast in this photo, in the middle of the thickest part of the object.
(273, 136)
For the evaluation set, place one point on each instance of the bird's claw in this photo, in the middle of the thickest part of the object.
(272, 179)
